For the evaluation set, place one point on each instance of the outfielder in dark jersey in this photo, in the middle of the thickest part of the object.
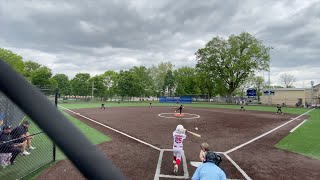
(242, 108)
(279, 109)
(102, 106)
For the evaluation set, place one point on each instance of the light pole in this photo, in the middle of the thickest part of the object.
(269, 84)
(312, 83)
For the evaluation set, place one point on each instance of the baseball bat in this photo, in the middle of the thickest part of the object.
(195, 134)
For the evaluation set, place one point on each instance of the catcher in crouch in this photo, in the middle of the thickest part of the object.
(178, 136)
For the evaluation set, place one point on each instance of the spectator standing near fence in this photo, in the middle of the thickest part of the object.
(22, 133)
(7, 145)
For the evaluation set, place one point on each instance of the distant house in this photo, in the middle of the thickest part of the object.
(298, 97)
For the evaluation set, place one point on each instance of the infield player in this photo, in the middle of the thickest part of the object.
(150, 105)
(180, 109)
(102, 106)
(178, 136)
(279, 109)
(242, 108)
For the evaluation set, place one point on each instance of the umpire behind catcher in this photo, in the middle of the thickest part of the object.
(210, 169)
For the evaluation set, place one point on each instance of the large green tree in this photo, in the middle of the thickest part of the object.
(63, 84)
(230, 61)
(258, 84)
(41, 78)
(98, 88)
(142, 81)
(29, 67)
(14, 60)
(159, 74)
(80, 84)
(169, 82)
(206, 84)
(126, 86)
(185, 79)
(110, 80)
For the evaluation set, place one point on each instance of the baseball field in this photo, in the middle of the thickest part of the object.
(254, 144)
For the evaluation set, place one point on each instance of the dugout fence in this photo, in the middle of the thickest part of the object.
(92, 163)
(25, 163)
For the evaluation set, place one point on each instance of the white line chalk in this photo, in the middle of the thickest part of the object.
(298, 126)
(157, 174)
(131, 137)
(254, 139)
(238, 167)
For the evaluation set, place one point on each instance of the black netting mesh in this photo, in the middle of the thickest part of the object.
(21, 153)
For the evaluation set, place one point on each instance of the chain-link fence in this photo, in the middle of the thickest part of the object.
(24, 148)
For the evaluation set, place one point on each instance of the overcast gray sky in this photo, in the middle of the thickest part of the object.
(99, 35)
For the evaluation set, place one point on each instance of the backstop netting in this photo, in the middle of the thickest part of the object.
(17, 158)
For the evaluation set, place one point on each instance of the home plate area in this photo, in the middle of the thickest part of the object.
(165, 167)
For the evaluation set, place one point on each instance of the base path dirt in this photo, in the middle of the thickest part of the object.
(223, 129)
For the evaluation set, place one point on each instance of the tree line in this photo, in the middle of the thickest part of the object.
(225, 67)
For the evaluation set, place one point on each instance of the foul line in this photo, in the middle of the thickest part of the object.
(238, 167)
(131, 137)
(298, 126)
(254, 139)
(156, 176)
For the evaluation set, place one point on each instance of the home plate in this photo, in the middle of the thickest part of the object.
(195, 163)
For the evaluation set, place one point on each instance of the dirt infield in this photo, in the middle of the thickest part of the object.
(223, 129)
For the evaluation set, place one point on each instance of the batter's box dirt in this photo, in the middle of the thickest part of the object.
(167, 165)
(166, 168)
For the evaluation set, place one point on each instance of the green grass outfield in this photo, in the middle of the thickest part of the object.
(41, 155)
(305, 140)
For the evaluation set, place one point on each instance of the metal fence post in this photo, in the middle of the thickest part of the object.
(54, 145)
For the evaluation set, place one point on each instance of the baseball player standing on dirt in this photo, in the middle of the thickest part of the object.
(102, 106)
(178, 136)
(180, 109)
(279, 109)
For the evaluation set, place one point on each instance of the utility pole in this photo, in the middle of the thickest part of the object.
(92, 89)
(312, 83)
(269, 84)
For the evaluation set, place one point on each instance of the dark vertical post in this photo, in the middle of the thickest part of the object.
(54, 145)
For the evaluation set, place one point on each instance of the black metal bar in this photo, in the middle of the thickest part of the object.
(84, 155)
(21, 138)
(54, 148)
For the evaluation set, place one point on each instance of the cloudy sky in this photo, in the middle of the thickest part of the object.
(99, 35)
